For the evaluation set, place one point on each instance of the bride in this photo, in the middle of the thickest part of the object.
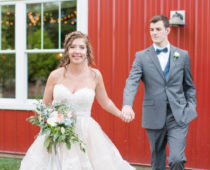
(77, 83)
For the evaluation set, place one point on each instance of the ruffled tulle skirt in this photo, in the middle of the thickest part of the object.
(100, 154)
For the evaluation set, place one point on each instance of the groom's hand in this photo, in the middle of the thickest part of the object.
(127, 113)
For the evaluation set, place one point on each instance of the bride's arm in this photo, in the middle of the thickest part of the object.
(103, 99)
(48, 92)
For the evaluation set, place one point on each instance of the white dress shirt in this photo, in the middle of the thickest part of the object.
(163, 57)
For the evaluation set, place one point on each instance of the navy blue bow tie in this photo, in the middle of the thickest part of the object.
(164, 50)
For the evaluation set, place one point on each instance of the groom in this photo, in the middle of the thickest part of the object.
(170, 97)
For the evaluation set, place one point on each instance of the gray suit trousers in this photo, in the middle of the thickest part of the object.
(173, 134)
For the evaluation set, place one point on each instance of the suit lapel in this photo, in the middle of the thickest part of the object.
(172, 62)
(154, 58)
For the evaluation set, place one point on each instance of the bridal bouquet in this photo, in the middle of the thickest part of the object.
(57, 123)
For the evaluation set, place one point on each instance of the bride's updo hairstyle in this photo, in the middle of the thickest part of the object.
(69, 38)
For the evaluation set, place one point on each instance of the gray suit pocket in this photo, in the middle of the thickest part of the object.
(148, 102)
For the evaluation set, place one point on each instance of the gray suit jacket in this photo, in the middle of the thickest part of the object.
(178, 90)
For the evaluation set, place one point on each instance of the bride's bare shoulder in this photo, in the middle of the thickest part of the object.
(97, 76)
(96, 72)
(55, 75)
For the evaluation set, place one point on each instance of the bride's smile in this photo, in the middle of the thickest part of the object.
(77, 51)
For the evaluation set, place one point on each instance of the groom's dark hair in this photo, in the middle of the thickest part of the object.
(160, 18)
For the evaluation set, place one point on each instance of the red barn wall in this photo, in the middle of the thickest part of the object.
(120, 28)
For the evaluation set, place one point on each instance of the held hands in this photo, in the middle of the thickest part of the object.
(127, 114)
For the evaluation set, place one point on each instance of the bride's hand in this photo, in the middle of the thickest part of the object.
(127, 114)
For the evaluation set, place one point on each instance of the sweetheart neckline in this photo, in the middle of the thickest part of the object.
(76, 90)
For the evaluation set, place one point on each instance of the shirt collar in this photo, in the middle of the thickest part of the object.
(168, 46)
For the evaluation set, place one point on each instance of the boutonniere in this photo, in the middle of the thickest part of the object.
(176, 55)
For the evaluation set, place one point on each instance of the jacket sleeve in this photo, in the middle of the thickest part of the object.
(132, 82)
(188, 86)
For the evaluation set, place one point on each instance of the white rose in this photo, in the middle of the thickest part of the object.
(52, 121)
(176, 54)
(70, 114)
(54, 114)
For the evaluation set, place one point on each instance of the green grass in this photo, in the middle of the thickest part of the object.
(9, 164)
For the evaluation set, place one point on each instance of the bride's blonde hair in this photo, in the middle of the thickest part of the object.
(69, 38)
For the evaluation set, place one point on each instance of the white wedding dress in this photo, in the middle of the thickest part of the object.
(101, 154)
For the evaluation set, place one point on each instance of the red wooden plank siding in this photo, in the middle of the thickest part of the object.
(2, 120)
(130, 33)
(15, 131)
(118, 29)
(10, 133)
(105, 62)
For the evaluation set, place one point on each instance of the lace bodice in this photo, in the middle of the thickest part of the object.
(81, 100)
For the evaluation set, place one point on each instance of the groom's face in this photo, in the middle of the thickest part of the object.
(159, 33)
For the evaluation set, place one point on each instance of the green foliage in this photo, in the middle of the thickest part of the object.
(40, 65)
(8, 30)
(46, 117)
(7, 67)
(7, 71)
(9, 164)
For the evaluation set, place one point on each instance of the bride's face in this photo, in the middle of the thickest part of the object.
(78, 51)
